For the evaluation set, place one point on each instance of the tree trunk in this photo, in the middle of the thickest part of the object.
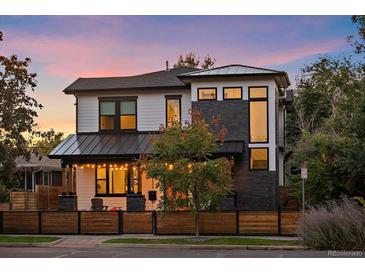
(197, 230)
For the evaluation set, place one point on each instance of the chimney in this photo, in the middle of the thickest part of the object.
(167, 65)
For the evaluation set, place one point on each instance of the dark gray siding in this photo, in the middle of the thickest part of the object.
(254, 189)
(234, 116)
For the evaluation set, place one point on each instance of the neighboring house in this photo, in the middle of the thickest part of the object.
(117, 116)
(39, 170)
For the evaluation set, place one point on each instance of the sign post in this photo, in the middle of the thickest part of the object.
(304, 176)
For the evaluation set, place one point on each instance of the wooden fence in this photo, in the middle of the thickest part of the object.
(45, 198)
(24, 200)
(149, 222)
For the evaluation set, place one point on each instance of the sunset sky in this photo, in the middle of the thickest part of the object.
(67, 47)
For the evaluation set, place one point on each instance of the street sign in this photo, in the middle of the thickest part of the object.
(304, 172)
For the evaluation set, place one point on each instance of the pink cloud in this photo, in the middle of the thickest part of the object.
(300, 52)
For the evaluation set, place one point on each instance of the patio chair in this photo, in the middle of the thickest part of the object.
(97, 204)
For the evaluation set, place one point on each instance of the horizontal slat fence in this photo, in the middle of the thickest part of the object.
(59, 222)
(289, 222)
(20, 222)
(218, 223)
(149, 222)
(137, 222)
(175, 223)
(106, 222)
(24, 200)
(258, 222)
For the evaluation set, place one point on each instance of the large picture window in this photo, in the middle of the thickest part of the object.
(207, 94)
(118, 114)
(173, 110)
(258, 115)
(115, 180)
(259, 158)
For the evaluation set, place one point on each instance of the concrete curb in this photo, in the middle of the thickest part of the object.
(49, 244)
(207, 247)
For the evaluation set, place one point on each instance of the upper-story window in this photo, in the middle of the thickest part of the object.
(107, 115)
(173, 109)
(118, 113)
(258, 113)
(232, 93)
(207, 94)
(128, 114)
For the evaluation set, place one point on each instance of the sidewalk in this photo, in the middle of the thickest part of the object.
(94, 241)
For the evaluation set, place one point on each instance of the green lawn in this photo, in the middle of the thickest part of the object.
(27, 239)
(213, 241)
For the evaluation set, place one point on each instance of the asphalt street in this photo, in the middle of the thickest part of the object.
(139, 252)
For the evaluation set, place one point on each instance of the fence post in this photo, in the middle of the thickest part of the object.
(237, 222)
(40, 222)
(279, 220)
(1, 222)
(78, 222)
(154, 223)
(120, 222)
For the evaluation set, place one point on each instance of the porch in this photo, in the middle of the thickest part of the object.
(103, 165)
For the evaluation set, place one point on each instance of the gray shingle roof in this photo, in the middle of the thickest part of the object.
(38, 161)
(163, 78)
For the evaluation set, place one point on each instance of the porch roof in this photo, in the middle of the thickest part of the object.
(114, 145)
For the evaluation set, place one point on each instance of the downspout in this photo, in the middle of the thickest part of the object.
(33, 173)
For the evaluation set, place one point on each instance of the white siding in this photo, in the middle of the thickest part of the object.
(85, 191)
(150, 109)
(87, 114)
(245, 84)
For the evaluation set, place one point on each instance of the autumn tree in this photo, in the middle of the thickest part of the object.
(182, 162)
(191, 61)
(17, 113)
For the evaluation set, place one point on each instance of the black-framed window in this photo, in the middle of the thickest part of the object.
(207, 94)
(258, 115)
(173, 109)
(259, 158)
(107, 112)
(117, 114)
(128, 114)
(117, 180)
(232, 93)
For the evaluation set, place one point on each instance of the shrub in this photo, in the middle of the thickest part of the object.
(337, 225)
(4, 194)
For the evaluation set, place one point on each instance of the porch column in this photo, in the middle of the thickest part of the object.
(25, 179)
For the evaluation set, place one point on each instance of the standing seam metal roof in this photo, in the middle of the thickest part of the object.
(122, 145)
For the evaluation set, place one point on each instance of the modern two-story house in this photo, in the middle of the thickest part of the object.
(116, 118)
